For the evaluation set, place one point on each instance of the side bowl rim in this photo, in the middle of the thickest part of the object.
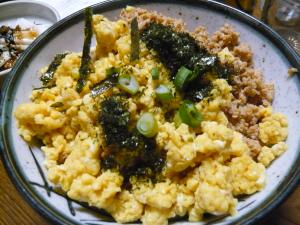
(44, 4)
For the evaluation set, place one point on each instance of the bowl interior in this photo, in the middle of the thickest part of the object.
(68, 36)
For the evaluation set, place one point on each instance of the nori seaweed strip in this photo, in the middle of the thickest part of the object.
(44, 87)
(135, 40)
(111, 80)
(85, 65)
(57, 104)
(102, 87)
(48, 75)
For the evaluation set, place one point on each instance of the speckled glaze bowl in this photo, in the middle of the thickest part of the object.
(272, 55)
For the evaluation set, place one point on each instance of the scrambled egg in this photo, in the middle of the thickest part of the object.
(273, 129)
(267, 154)
(217, 162)
(226, 56)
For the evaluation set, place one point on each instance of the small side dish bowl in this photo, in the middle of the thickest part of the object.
(39, 14)
(272, 56)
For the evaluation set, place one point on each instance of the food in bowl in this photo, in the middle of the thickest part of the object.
(13, 41)
(157, 122)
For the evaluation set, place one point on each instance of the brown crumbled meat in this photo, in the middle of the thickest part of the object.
(250, 93)
(244, 118)
(239, 66)
(243, 52)
(248, 87)
(254, 146)
(144, 17)
(225, 37)
(201, 35)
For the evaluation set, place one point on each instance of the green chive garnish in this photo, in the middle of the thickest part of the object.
(189, 114)
(147, 125)
(155, 73)
(177, 119)
(128, 83)
(163, 93)
(182, 77)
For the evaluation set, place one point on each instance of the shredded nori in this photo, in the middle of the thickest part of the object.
(85, 65)
(57, 104)
(112, 75)
(135, 40)
(176, 49)
(102, 87)
(47, 77)
(114, 118)
(44, 87)
(197, 92)
(128, 151)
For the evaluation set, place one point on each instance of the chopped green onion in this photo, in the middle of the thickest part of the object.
(194, 74)
(128, 83)
(177, 119)
(163, 93)
(147, 125)
(135, 40)
(189, 114)
(182, 77)
(155, 73)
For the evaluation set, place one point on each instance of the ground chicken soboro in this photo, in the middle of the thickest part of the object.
(206, 167)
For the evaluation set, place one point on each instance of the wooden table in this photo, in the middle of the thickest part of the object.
(14, 210)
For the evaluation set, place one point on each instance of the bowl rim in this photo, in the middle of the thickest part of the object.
(34, 2)
(4, 72)
(20, 2)
(284, 189)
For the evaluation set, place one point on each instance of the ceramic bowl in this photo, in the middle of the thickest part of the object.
(272, 55)
(33, 11)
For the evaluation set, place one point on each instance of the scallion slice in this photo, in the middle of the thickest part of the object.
(182, 77)
(177, 119)
(155, 73)
(189, 114)
(163, 93)
(147, 125)
(128, 83)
